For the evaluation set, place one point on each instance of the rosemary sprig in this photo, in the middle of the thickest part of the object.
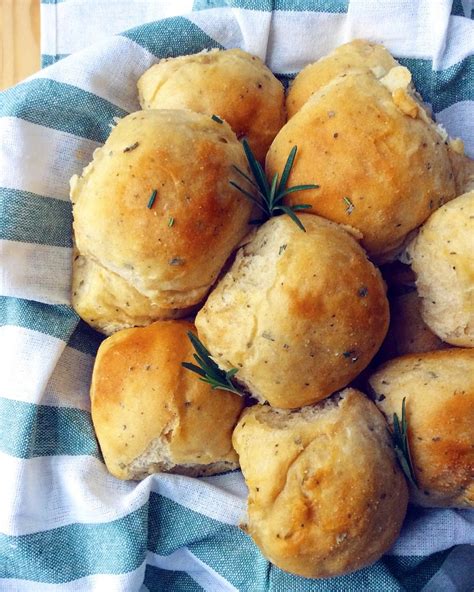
(208, 370)
(151, 201)
(270, 200)
(402, 446)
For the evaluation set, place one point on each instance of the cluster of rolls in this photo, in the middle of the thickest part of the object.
(298, 317)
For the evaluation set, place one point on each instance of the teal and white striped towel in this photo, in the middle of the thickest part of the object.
(65, 523)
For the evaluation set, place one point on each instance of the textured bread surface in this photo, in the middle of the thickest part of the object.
(463, 169)
(170, 250)
(408, 333)
(109, 303)
(326, 496)
(442, 256)
(380, 163)
(439, 391)
(231, 84)
(299, 314)
(151, 415)
(356, 55)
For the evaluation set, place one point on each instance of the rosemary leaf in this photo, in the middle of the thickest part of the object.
(208, 371)
(287, 169)
(402, 445)
(270, 196)
(256, 169)
(289, 211)
(151, 201)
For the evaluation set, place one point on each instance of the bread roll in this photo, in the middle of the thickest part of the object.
(442, 256)
(231, 84)
(356, 55)
(151, 415)
(380, 164)
(300, 314)
(108, 303)
(439, 391)
(326, 496)
(463, 169)
(408, 333)
(170, 247)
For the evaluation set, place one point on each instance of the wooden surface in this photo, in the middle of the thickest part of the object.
(19, 40)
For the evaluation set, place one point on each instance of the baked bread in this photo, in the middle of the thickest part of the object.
(231, 84)
(358, 54)
(299, 314)
(152, 415)
(408, 333)
(463, 167)
(381, 165)
(439, 391)
(108, 303)
(326, 496)
(442, 256)
(169, 245)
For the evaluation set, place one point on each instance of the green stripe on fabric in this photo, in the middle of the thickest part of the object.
(55, 320)
(171, 37)
(60, 106)
(32, 218)
(414, 572)
(75, 551)
(334, 6)
(48, 59)
(337, 6)
(162, 580)
(30, 430)
(173, 526)
(442, 88)
(262, 5)
(85, 339)
(457, 8)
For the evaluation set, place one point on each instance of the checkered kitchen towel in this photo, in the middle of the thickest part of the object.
(65, 523)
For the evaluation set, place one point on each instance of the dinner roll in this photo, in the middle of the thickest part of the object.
(442, 257)
(155, 205)
(356, 55)
(381, 166)
(231, 84)
(151, 415)
(463, 167)
(408, 333)
(299, 314)
(326, 496)
(109, 303)
(439, 391)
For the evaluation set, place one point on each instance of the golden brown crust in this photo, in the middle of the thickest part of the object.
(172, 251)
(439, 391)
(150, 413)
(326, 496)
(442, 258)
(378, 168)
(463, 169)
(300, 314)
(108, 303)
(356, 55)
(231, 84)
